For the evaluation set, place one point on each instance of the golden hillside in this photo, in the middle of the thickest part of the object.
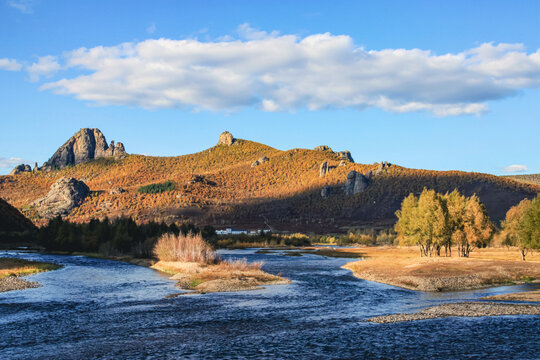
(219, 186)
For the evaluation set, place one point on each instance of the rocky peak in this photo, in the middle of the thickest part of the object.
(20, 169)
(65, 194)
(323, 148)
(226, 138)
(87, 144)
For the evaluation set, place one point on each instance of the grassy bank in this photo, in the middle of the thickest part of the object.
(224, 276)
(12, 269)
(21, 267)
(404, 268)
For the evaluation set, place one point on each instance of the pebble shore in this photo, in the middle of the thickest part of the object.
(10, 283)
(467, 309)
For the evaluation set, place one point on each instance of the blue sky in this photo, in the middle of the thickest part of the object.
(424, 84)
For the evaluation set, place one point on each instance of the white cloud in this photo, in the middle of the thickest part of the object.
(9, 64)
(151, 29)
(24, 6)
(515, 168)
(276, 72)
(45, 66)
(8, 163)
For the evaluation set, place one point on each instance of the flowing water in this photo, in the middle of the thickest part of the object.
(93, 308)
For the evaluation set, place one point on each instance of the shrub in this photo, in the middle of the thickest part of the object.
(157, 188)
(188, 248)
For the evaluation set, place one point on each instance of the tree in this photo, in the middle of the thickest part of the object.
(478, 228)
(529, 228)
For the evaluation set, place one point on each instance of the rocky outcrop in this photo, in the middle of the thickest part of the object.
(65, 194)
(260, 161)
(116, 191)
(325, 191)
(345, 155)
(323, 169)
(85, 145)
(226, 138)
(323, 148)
(355, 183)
(20, 169)
(382, 168)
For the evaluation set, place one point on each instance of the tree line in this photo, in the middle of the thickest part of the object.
(435, 221)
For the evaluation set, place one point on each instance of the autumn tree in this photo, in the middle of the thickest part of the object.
(529, 228)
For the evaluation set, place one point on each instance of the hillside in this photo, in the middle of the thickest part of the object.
(12, 220)
(220, 187)
(527, 179)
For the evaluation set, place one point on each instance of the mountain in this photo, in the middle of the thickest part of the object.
(12, 220)
(528, 179)
(244, 184)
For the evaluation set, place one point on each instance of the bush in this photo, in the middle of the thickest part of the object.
(157, 188)
(188, 248)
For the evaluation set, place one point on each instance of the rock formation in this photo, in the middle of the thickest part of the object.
(345, 155)
(226, 138)
(323, 169)
(20, 169)
(116, 191)
(260, 161)
(325, 192)
(65, 194)
(383, 167)
(355, 183)
(323, 148)
(85, 145)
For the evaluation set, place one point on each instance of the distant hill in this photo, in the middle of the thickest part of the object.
(231, 185)
(12, 220)
(527, 179)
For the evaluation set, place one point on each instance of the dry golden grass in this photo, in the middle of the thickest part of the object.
(20, 267)
(405, 268)
(185, 248)
(233, 275)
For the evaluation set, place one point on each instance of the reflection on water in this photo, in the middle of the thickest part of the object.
(95, 308)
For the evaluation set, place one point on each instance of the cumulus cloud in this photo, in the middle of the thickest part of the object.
(275, 72)
(24, 6)
(515, 169)
(8, 163)
(45, 66)
(9, 64)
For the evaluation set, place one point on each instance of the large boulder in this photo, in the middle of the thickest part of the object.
(20, 169)
(355, 183)
(226, 138)
(65, 194)
(85, 145)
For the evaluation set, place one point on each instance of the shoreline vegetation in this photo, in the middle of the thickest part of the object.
(12, 269)
(193, 263)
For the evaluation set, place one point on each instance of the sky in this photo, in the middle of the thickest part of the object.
(443, 85)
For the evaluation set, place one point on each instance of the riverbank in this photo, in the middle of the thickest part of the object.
(529, 296)
(225, 276)
(464, 309)
(12, 269)
(404, 267)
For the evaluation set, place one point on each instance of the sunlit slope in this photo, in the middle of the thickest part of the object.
(528, 179)
(219, 186)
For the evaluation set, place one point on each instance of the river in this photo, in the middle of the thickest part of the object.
(103, 309)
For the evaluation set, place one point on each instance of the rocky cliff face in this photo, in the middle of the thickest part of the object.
(85, 145)
(65, 194)
(355, 183)
(20, 169)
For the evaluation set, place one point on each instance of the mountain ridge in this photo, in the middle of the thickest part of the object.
(220, 186)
